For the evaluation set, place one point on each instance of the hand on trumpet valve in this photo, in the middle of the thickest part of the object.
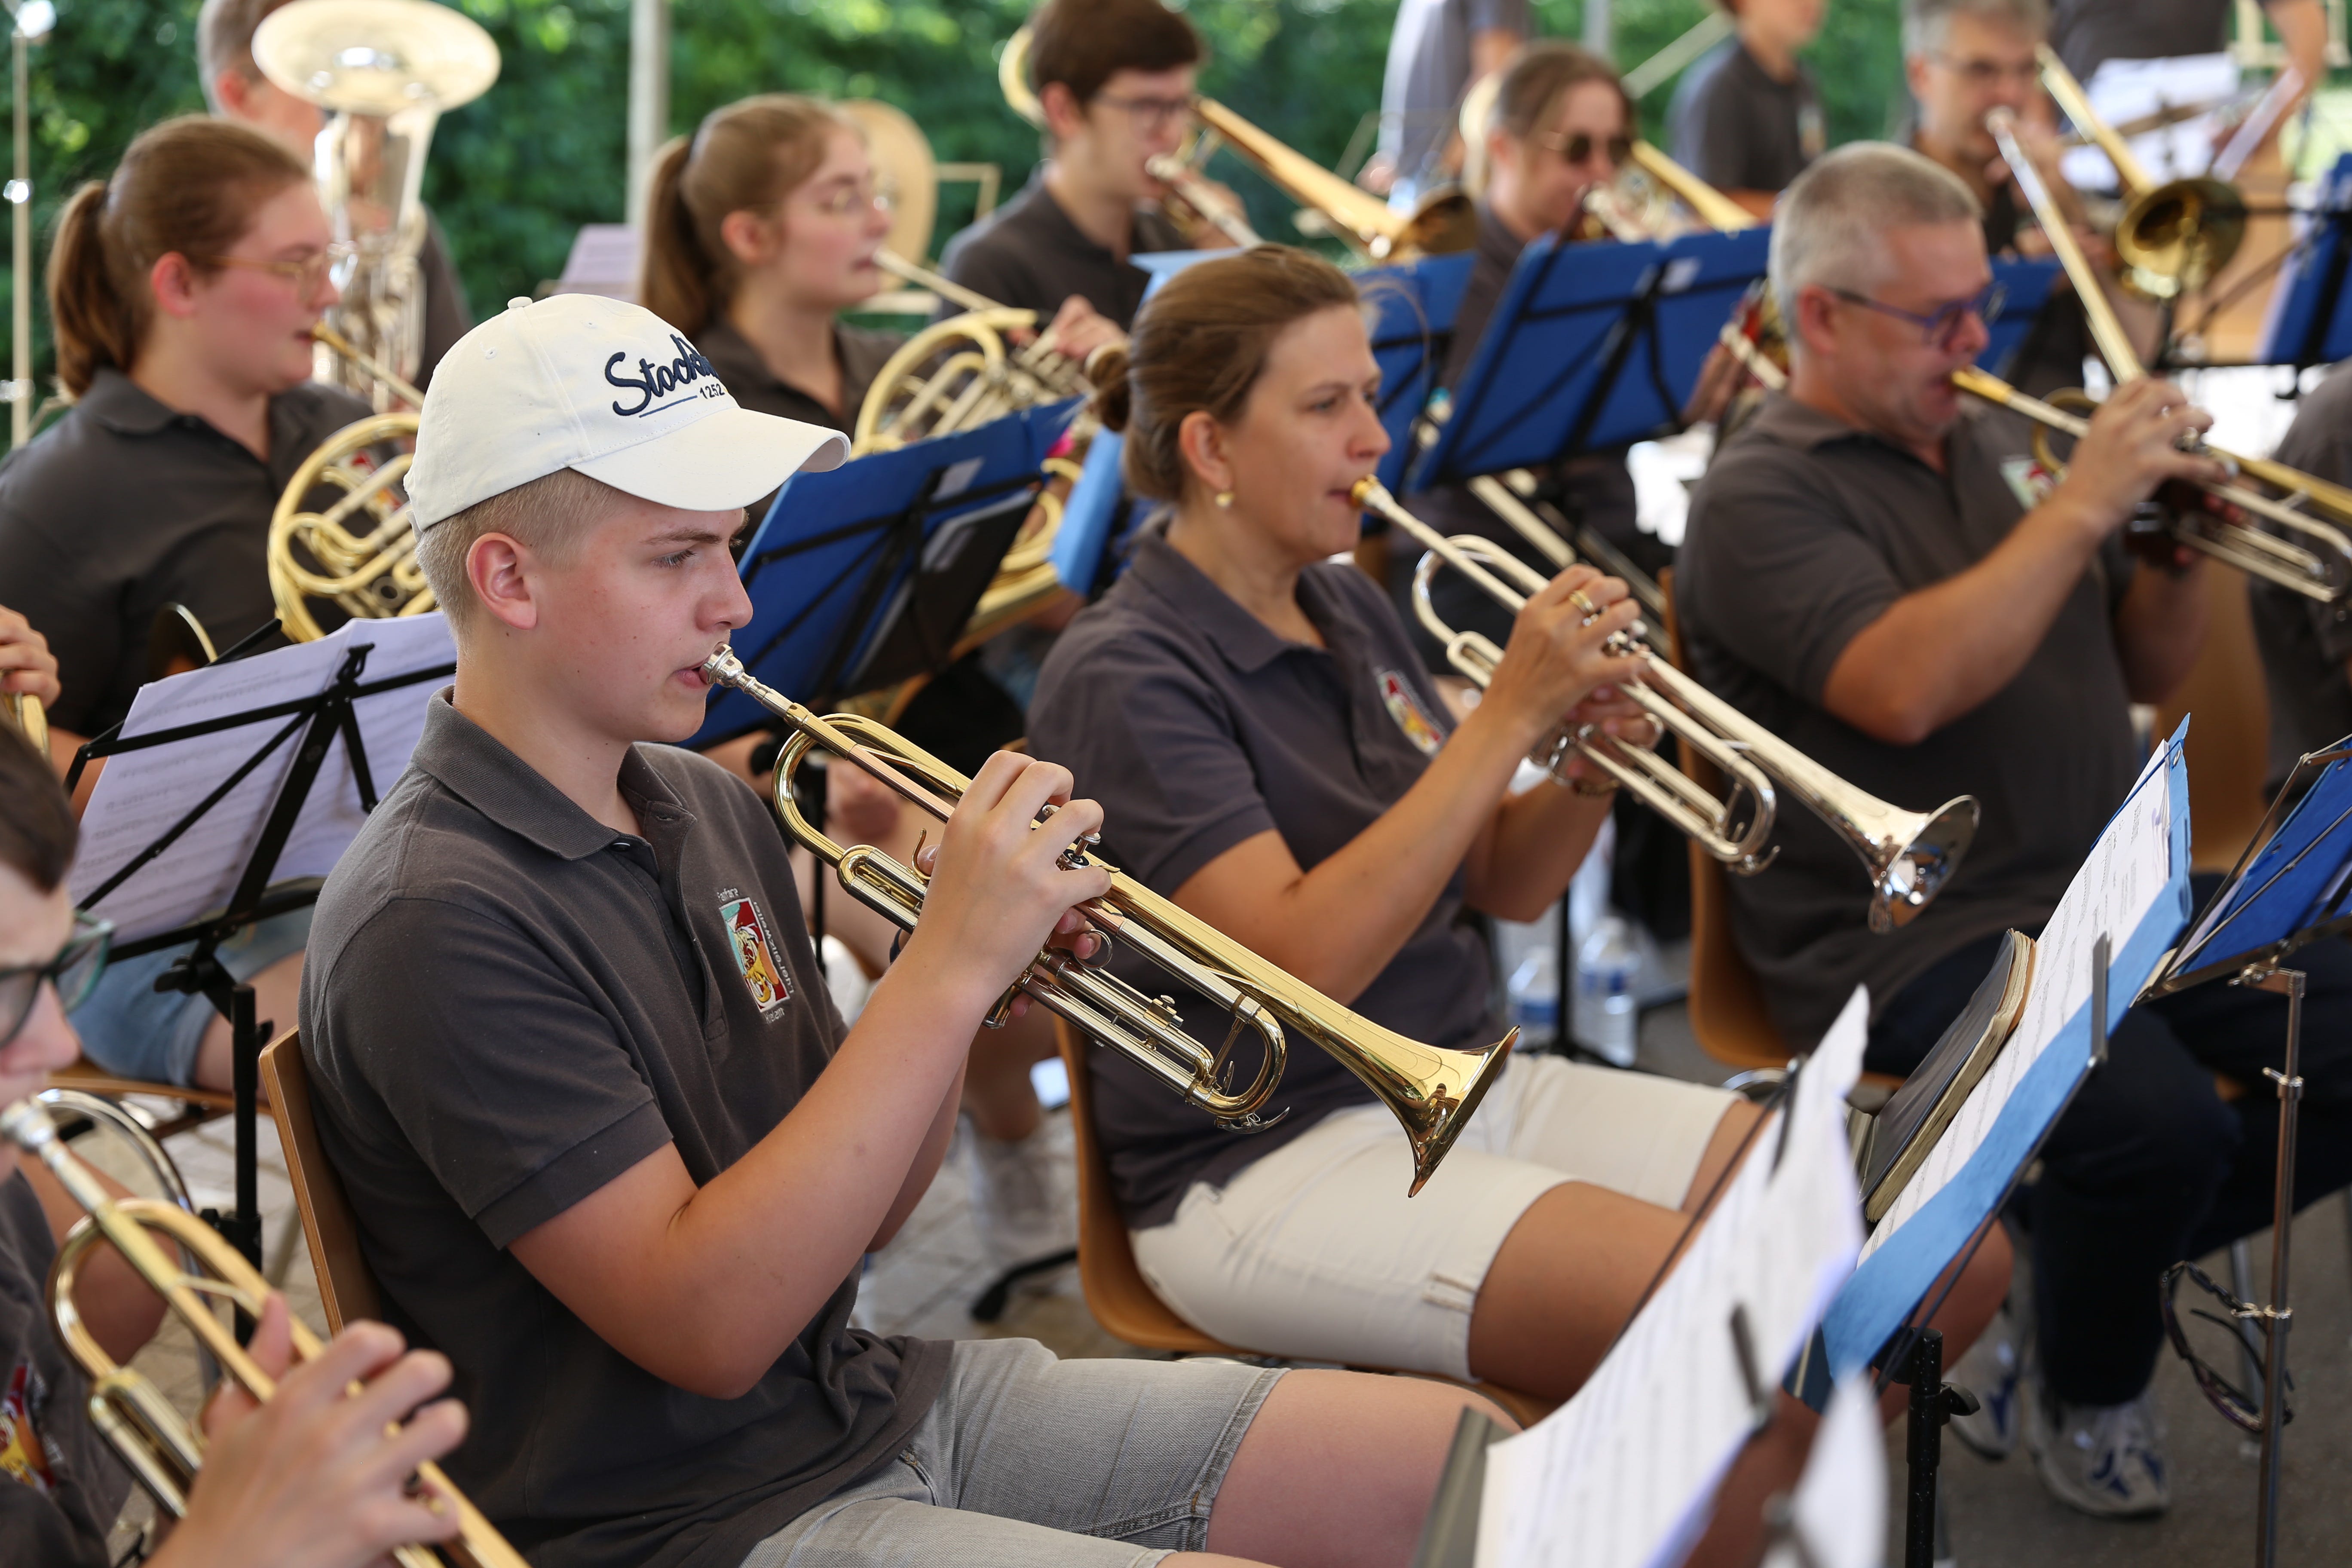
(1000, 887)
(2135, 444)
(1078, 328)
(324, 1472)
(1558, 652)
(26, 665)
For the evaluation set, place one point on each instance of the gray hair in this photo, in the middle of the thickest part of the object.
(1925, 22)
(1827, 227)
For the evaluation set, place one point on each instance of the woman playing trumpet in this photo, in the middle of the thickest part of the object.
(1269, 755)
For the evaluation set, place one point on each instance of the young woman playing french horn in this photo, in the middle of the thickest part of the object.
(1268, 754)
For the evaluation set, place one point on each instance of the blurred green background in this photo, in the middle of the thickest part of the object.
(514, 174)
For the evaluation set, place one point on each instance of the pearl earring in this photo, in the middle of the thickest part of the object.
(1225, 500)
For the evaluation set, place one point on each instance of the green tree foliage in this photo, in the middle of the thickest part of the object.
(514, 174)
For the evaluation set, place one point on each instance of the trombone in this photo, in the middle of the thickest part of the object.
(155, 1441)
(2321, 568)
(1431, 1090)
(1910, 856)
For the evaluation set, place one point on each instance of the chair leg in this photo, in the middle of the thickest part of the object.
(2242, 1285)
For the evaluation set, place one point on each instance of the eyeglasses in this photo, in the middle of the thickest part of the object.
(1981, 73)
(1578, 148)
(1150, 115)
(1940, 329)
(304, 275)
(2241, 1409)
(74, 972)
(856, 201)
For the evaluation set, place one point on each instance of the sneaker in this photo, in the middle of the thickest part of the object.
(1994, 1371)
(1022, 1200)
(2104, 1459)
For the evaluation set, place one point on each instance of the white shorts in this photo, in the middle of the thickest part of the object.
(1315, 1253)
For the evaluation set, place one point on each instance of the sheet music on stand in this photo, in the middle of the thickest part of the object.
(868, 573)
(2133, 892)
(144, 792)
(1413, 305)
(1625, 1475)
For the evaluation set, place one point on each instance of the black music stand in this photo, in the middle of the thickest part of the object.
(2289, 890)
(312, 723)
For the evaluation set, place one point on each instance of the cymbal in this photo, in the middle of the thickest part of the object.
(377, 56)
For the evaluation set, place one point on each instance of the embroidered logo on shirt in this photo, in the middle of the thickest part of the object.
(2028, 480)
(755, 955)
(23, 1456)
(1404, 707)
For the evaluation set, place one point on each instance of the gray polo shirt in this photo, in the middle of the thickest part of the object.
(1428, 70)
(506, 1006)
(2308, 645)
(1197, 727)
(124, 506)
(60, 1485)
(1804, 532)
(1739, 127)
(1028, 254)
(2088, 33)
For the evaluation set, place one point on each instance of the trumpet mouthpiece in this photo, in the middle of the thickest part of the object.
(722, 668)
(26, 1124)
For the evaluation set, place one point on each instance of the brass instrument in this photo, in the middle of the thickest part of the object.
(1442, 223)
(1431, 1091)
(367, 365)
(2172, 238)
(959, 372)
(159, 1445)
(21, 711)
(2313, 508)
(1909, 856)
(1711, 207)
(360, 553)
(385, 70)
(1206, 204)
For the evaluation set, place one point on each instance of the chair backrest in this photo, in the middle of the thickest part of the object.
(2229, 745)
(1727, 1003)
(346, 1289)
(1121, 1300)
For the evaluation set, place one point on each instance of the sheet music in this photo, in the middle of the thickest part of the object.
(139, 794)
(1624, 1475)
(2118, 884)
(1840, 1500)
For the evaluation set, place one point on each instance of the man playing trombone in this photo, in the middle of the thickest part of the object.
(1883, 576)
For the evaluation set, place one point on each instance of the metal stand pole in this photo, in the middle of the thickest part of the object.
(2277, 1317)
(1923, 1448)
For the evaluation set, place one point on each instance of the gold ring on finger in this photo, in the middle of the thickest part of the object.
(1583, 603)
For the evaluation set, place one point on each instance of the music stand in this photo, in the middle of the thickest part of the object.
(2288, 891)
(310, 694)
(2026, 282)
(2310, 320)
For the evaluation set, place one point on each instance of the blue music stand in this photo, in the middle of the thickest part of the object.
(2027, 282)
(2310, 322)
(2289, 891)
(868, 573)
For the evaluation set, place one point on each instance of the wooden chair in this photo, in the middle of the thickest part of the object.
(1117, 1295)
(2229, 745)
(346, 1287)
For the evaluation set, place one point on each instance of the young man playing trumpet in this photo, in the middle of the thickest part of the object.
(609, 1147)
(1879, 572)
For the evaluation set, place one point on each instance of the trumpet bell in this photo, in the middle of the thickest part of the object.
(1906, 872)
(2174, 239)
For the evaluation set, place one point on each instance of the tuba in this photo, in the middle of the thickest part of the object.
(1431, 1091)
(157, 1444)
(385, 70)
(1909, 856)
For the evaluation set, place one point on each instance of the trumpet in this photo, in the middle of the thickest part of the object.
(1909, 856)
(2321, 570)
(155, 1441)
(21, 711)
(1431, 1091)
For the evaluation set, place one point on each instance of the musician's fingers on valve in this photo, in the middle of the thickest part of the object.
(1078, 328)
(2135, 444)
(27, 668)
(325, 1472)
(999, 889)
(1556, 655)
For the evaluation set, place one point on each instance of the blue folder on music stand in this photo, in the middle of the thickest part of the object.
(2027, 283)
(868, 573)
(2310, 319)
(1413, 306)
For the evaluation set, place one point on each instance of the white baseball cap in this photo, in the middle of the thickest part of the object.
(579, 381)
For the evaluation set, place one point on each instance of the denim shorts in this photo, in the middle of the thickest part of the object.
(1027, 1459)
(1314, 1252)
(134, 1030)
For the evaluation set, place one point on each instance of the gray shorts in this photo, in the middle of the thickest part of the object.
(1026, 1459)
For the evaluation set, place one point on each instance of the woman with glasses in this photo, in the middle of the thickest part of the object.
(182, 291)
(319, 1479)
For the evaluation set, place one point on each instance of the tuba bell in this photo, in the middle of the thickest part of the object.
(385, 70)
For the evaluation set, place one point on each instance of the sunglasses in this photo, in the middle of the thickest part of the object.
(2238, 1407)
(1940, 329)
(74, 972)
(1579, 148)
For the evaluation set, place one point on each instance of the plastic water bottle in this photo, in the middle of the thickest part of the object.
(1534, 993)
(1608, 1018)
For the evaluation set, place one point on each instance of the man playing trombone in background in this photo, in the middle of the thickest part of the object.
(1881, 574)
